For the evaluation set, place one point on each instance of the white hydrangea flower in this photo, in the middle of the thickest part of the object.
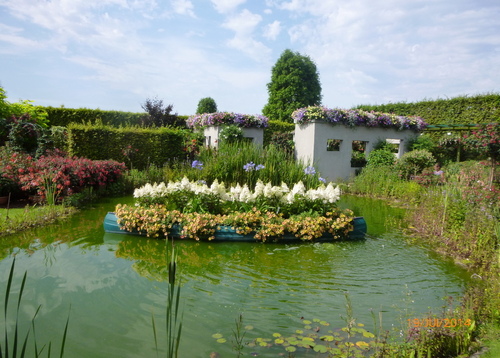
(259, 188)
(299, 188)
(246, 195)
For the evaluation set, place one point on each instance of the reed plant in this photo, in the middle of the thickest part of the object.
(173, 326)
(15, 342)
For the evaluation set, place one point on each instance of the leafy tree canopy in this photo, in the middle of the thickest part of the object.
(206, 105)
(159, 115)
(294, 84)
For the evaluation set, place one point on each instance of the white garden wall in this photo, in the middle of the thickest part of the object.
(212, 134)
(311, 141)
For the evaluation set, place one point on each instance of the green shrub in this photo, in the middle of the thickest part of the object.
(422, 142)
(414, 162)
(231, 134)
(284, 141)
(381, 157)
(275, 127)
(24, 135)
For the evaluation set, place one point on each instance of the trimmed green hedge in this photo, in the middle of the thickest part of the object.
(479, 109)
(60, 116)
(137, 147)
(276, 127)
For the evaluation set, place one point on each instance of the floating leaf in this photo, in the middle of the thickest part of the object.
(263, 344)
(307, 339)
(316, 320)
(221, 340)
(327, 338)
(362, 344)
(307, 327)
(361, 325)
(299, 331)
(368, 334)
(290, 349)
(217, 335)
(276, 335)
(279, 341)
(320, 348)
(306, 321)
(249, 327)
(324, 323)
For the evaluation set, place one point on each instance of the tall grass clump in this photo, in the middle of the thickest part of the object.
(385, 182)
(245, 163)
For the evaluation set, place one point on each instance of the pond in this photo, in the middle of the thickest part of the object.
(111, 285)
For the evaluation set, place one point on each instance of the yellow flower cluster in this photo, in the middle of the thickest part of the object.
(157, 221)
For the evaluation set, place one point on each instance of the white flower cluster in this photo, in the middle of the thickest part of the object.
(326, 193)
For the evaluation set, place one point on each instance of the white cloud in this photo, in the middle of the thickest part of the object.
(272, 30)
(225, 6)
(244, 24)
(183, 7)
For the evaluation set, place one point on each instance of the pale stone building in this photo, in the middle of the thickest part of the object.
(330, 147)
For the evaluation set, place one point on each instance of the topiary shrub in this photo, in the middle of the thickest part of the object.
(414, 162)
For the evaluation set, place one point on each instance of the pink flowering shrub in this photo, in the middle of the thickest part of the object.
(64, 175)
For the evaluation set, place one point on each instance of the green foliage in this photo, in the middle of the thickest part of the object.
(381, 157)
(37, 114)
(284, 142)
(206, 105)
(485, 140)
(294, 84)
(478, 109)
(384, 182)
(227, 164)
(422, 142)
(276, 127)
(24, 135)
(61, 116)
(142, 146)
(231, 134)
(414, 162)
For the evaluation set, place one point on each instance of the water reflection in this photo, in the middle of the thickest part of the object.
(115, 283)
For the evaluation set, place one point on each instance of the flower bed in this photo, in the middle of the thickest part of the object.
(226, 118)
(58, 175)
(357, 117)
(198, 210)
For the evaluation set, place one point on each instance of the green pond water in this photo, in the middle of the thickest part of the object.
(111, 285)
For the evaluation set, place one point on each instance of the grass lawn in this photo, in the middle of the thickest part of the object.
(18, 219)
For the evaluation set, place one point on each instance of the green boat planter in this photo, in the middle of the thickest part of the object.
(227, 233)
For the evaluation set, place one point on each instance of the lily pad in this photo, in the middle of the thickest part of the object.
(217, 335)
(320, 348)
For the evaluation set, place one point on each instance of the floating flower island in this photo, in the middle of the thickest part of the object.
(194, 210)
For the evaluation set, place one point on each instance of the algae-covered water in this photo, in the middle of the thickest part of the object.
(112, 285)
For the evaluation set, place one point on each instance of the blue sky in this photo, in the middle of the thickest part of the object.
(113, 54)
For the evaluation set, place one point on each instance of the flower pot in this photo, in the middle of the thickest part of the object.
(4, 200)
